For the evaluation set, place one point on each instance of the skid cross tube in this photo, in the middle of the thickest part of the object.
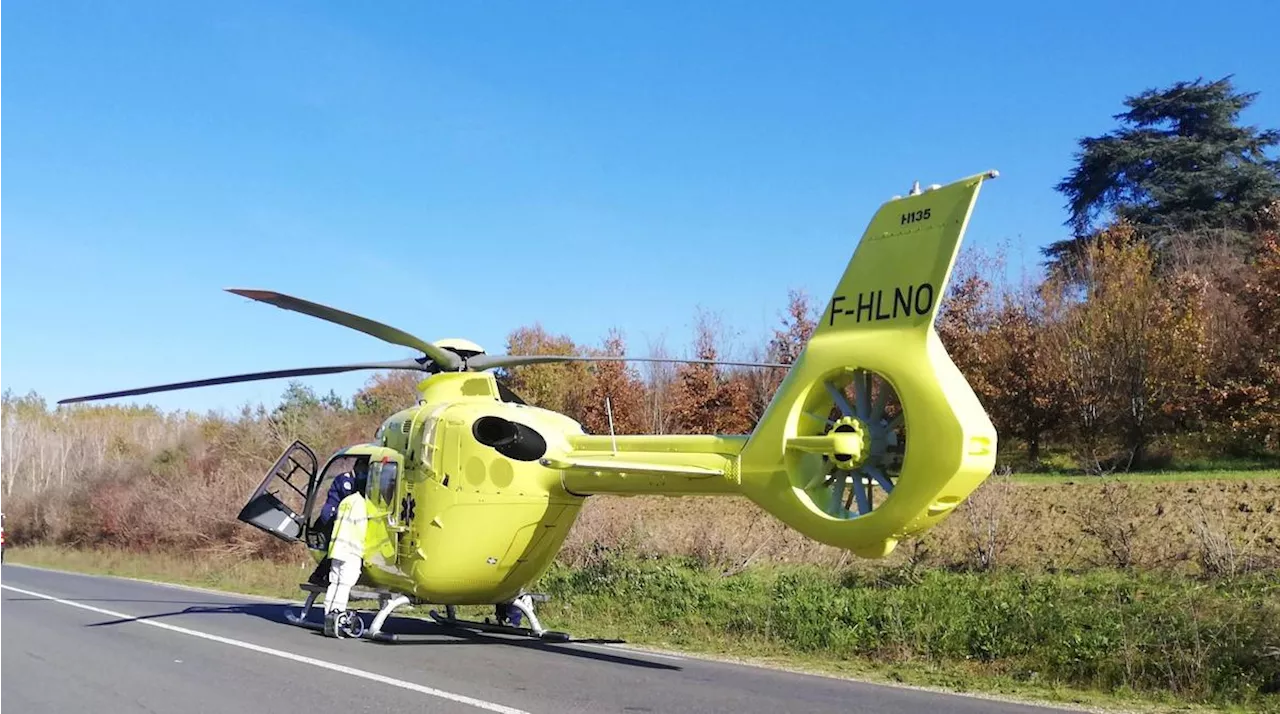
(387, 603)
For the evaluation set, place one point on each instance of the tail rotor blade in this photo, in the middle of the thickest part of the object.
(442, 357)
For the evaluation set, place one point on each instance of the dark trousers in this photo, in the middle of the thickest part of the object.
(320, 576)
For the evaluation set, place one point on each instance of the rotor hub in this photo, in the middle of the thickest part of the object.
(845, 444)
(852, 451)
(847, 450)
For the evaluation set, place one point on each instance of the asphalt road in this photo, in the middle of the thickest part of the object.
(84, 643)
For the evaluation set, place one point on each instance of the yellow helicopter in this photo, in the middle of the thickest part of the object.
(476, 490)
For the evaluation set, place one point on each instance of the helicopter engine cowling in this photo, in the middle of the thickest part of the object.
(509, 438)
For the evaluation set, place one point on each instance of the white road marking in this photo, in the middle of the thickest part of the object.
(382, 679)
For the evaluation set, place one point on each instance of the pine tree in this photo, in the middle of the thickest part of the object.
(1181, 164)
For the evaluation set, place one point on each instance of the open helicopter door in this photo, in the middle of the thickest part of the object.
(393, 505)
(277, 505)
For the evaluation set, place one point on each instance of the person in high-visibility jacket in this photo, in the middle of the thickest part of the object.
(346, 553)
(342, 487)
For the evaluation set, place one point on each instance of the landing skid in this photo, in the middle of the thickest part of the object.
(523, 603)
(387, 603)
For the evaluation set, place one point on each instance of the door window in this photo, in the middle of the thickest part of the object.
(320, 495)
(276, 505)
(389, 476)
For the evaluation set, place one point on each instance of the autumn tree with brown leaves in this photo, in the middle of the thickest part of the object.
(962, 324)
(620, 384)
(704, 399)
(561, 386)
(1127, 342)
(1023, 390)
(1249, 399)
(387, 392)
(799, 321)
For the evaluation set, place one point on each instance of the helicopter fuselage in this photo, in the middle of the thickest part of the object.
(471, 515)
(470, 497)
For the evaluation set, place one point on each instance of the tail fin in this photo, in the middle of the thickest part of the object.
(874, 412)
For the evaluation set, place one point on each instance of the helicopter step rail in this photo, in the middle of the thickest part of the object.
(388, 602)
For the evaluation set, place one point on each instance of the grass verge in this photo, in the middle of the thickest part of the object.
(1166, 640)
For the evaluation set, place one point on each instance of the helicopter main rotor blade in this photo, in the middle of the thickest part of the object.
(446, 360)
(409, 364)
(481, 362)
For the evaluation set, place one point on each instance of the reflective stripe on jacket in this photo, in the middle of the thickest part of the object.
(347, 542)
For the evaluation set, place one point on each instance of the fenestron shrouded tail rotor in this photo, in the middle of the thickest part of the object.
(851, 481)
(456, 355)
(874, 434)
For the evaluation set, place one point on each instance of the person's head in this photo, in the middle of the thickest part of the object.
(361, 480)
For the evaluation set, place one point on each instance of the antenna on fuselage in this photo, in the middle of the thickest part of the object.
(608, 409)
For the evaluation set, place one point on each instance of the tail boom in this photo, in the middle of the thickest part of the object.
(666, 465)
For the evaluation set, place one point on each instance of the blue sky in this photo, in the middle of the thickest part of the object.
(461, 169)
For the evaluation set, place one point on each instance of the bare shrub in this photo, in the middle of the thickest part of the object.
(991, 521)
(1108, 517)
(1219, 557)
(1227, 547)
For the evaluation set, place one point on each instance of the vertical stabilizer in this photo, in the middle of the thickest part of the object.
(875, 434)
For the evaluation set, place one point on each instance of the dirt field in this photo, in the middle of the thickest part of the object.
(1215, 527)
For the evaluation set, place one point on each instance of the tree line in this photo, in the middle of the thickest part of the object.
(1127, 363)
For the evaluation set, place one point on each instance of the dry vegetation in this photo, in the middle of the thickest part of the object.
(140, 480)
(1214, 528)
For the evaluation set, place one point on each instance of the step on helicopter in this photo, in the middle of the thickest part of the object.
(479, 489)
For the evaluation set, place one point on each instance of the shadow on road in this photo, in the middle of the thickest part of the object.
(422, 632)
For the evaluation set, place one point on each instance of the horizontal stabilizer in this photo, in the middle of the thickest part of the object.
(623, 467)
